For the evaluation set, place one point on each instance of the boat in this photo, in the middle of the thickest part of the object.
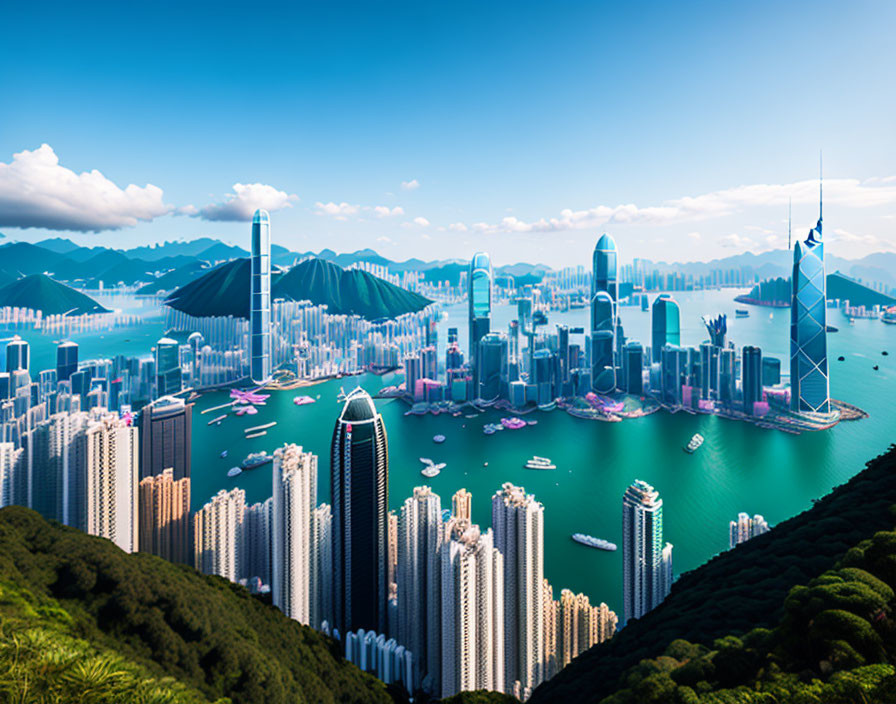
(840, 358)
(256, 435)
(540, 463)
(426, 460)
(485, 464)
(471, 415)
(303, 400)
(741, 313)
(430, 472)
(234, 472)
(217, 420)
(438, 438)
(876, 367)
(261, 427)
(593, 542)
(831, 328)
(694, 443)
(889, 315)
(885, 353)
(224, 453)
(256, 459)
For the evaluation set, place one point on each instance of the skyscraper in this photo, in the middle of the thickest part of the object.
(16, 355)
(666, 325)
(744, 528)
(260, 302)
(581, 625)
(480, 301)
(472, 627)
(256, 541)
(419, 582)
(809, 383)
(491, 366)
(462, 505)
(66, 360)
(322, 567)
(168, 374)
(603, 315)
(359, 483)
(111, 494)
(295, 497)
(217, 535)
(646, 562)
(166, 433)
(518, 523)
(165, 517)
(751, 375)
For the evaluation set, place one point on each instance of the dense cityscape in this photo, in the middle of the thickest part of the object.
(423, 597)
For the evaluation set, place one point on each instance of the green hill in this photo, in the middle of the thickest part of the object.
(225, 291)
(40, 292)
(741, 590)
(84, 621)
(777, 292)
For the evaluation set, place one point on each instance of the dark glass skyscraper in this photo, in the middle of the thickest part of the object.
(603, 315)
(260, 302)
(491, 363)
(751, 375)
(479, 294)
(666, 325)
(809, 384)
(166, 431)
(168, 373)
(16, 355)
(66, 360)
(359, 481)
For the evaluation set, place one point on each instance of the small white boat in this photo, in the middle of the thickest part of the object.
(593, 542)
(234, 472)
(430, 472)
(694, 443)
(540, 463)
(426, 460)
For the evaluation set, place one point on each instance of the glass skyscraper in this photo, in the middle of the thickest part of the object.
(260, 303)
(66, 360)
(480, 302)
(603, 315)
(666, 325)
(646, 561)
(168, 373)
(809, 384)
(359, 480)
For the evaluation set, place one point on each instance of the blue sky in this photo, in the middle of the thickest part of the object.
(528, 128)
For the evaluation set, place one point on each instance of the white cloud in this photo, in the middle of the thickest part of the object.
(246, 198)
(384, 211)
(422, 222)
(187, 210)
(35, 191)
(458, 227)
(340, 211)
(735, 241)
(384, 239)
(847, 192)
(841, 235)
(411, 185)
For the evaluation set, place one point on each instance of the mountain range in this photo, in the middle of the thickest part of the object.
(224, 291)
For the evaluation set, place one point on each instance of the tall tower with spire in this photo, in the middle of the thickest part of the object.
(809, 382)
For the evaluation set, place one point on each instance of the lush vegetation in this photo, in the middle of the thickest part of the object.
(225, 291)
(77, 613)
(835, 644)
(746, 588)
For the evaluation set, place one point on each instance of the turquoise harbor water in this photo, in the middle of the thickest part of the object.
(739, 468)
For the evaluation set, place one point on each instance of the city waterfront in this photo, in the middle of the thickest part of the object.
(739, 468)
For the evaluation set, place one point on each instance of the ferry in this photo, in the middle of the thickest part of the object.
(438, 438)
(256, 459)
(256, 435)
(694, 443)
(593, 542)
(540, 463)
(430, 472)
(741, 313)
(234, 472)
(889, 315)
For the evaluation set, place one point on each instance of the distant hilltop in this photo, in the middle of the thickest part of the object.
(224, 291)
(776, 293)
(40, 292)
